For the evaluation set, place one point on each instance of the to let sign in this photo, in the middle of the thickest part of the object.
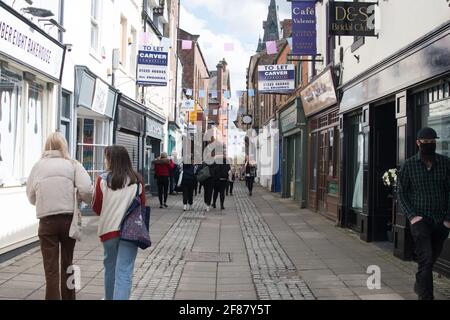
(352, 18)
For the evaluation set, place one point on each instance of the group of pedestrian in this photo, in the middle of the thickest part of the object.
(53, 186)
(424, 195)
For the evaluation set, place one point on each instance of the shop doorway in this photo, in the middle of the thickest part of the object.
(290, 185)
(323, 173)
(354, 169)
(384, 157)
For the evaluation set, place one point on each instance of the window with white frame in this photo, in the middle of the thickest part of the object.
(95, 27)
(133, 52)
(92, 139)
(123, 41)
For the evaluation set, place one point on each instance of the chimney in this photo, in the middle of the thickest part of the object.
(220, 69)
(286, 26)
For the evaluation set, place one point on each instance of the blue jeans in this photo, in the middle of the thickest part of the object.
(118, 261)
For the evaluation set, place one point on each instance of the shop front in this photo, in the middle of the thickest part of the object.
(153, 146)
(320, 105)
(96, 104)
(30, 70)
(380, 115)
(130, 130)
(293, 130)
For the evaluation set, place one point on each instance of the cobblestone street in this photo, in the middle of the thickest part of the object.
(262, 247)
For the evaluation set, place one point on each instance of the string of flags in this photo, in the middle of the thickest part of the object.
(145, 39)
(271, 46)
(214, 94)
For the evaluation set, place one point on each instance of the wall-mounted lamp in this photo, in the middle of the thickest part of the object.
(130, 41)
(38, 12)
(356, 57)
(52, 22)
(69, 47)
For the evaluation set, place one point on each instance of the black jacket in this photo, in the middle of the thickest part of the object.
(221, 171)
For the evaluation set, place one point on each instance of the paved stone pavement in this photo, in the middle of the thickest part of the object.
(261, 247)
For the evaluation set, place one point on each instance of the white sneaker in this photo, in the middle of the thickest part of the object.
(207, 209)
(189, 207)
(185, 208)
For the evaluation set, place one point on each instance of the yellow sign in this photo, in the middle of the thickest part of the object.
(193, 114)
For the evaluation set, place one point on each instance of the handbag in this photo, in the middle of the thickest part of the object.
(203, 174)
(75, 225)
(135, 225)
(180, 179)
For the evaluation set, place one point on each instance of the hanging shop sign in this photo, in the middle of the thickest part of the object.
(152, 66)
(276, 78)
(25, 43)
(304, 34)
(193, 114)
(319, 94)
(188, 105)
(352, 18)
(247, 119)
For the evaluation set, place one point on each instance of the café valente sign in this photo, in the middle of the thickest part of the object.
(352, 18)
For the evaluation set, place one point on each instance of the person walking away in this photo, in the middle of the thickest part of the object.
(250, 174)
(231, 179)
(162, 170)
(195, 180)
(51, 188)
(187, 184)
(114, 193)
(172, 181)
(424, 195)
(221, 176)
(208, 185)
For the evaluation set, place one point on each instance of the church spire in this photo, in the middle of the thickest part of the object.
(272, 24)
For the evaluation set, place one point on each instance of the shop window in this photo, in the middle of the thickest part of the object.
(92, 139)
(21, 127)
(356, 153)
(314, 151)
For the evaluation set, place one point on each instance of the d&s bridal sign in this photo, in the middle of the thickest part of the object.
(352, 18)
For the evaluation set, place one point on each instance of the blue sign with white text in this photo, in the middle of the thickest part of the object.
(304, 32)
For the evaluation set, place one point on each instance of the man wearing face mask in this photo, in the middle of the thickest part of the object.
(424, 194)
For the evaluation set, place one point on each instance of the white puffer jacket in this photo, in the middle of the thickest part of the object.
(50, 186)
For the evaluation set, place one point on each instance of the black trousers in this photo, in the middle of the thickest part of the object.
(249, 181)
(208, 191)
(195, 182)
(219, 188)
(163, 189)
(230, 186)
(188, 193)
(429, 238)
(172, 184)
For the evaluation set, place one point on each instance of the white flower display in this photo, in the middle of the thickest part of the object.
(390, 178)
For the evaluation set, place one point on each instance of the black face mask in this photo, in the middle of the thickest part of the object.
(428, 149)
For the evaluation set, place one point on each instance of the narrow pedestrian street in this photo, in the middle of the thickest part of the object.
(259, 248)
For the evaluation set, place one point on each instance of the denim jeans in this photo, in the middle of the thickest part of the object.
(118, 261)
(429, 238)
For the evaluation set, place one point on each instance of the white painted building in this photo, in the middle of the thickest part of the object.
(30, 68)
(100, 103)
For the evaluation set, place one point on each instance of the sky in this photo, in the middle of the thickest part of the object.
(239, 22)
